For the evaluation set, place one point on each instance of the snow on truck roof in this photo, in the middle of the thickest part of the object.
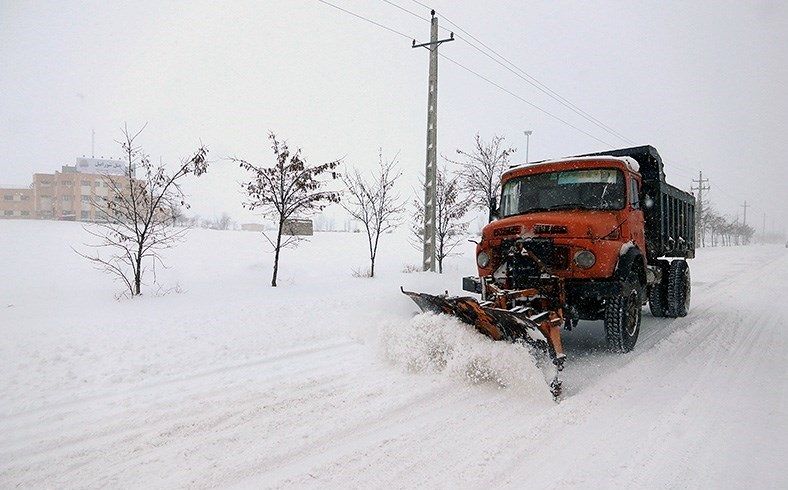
(630, 162)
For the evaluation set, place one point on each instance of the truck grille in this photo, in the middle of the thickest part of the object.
(554, 257)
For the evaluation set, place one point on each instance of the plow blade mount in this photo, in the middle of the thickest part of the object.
(496, 323)
(538, 330)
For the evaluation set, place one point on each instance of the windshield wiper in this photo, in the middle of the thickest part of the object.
(550, 208)
(568, 206)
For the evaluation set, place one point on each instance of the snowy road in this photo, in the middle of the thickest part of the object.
(232, 384)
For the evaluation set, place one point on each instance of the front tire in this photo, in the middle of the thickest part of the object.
(622, 317)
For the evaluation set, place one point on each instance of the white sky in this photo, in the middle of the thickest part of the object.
(704, 82)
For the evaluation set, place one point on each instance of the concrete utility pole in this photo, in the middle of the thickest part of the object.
(745, 206)
(528, 134)
(703, 185)
(430, 178)
(763, 229)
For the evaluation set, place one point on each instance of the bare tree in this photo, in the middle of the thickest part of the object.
(481, 171)
(223, 222)
(289, 189)
(135, 216)
(179, 217)
(450, 209)
(375, 204)
(193, 221)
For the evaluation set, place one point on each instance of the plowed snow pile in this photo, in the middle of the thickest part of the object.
(432, 343)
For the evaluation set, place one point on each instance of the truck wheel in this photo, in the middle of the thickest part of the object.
(657, 300)
(679, 287)
(622, 317)
(658, 293)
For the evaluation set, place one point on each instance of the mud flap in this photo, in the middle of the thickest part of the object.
(540, 332)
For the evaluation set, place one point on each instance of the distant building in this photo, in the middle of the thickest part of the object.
(289, 227)
(297, 227)
(252, 227)
(65, 195)
(17, 203)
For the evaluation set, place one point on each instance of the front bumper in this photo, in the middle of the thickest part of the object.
(581, 289)
(576, 289)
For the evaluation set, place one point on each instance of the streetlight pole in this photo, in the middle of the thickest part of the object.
(527, 143)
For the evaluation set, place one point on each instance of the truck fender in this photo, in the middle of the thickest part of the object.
(630, 257)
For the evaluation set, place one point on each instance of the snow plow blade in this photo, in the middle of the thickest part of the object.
(541, 330)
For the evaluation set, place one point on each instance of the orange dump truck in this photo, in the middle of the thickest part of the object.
(590, 237)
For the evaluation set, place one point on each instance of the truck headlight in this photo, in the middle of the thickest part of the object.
(585, 259)
(483, 260)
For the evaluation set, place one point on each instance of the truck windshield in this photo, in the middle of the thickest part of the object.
(598, 188)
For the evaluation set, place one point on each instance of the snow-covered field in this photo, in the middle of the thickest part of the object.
(328, 380)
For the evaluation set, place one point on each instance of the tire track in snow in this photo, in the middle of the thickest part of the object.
(54, 419)
(269, 359)
(585, 367)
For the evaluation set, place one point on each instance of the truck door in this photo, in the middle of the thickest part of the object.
(636, 221)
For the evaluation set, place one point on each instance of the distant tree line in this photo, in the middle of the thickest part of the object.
(719, 230)
(222, 222)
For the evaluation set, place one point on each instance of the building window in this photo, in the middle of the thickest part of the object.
(85, 214)
(67, 182)
(66, 198)
(86, 199)
(8, 213)
(25, 213)
(85, 182)
(8, 197)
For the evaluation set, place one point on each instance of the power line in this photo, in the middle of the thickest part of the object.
(544, 111)
(687, 169)
(366, 19)
(541, 86)
(414, 14)
(519, 72)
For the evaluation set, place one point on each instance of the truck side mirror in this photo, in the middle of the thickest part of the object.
(494, 212)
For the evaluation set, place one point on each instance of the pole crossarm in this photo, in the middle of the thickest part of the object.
(431, 43)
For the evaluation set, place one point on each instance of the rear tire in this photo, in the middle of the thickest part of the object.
(622, 316)
(679, 289)
(658, 293)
